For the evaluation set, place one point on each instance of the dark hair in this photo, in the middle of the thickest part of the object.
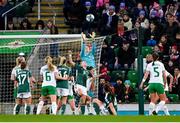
(107, 87)
(40, 22)
(155, 56)
(25, 21)
(119, 78)
(23, 65)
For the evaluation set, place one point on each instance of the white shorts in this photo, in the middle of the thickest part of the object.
(82, 89)
(24, 95)
(62, 92)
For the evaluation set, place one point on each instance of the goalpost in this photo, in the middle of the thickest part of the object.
(35, 47)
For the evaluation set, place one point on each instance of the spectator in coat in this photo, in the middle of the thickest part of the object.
(143, 20)
(127, 21)
(171, 28)
(174, 55)
(126, 56)
(89, 18)
(110, 60)
(129, 95)
(156, 12)
(119, 90)
(109, 22)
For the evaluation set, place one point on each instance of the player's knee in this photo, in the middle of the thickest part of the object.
(151, 106)
(41, 103)
(162, 102)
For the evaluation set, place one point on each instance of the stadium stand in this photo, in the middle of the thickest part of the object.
(162, 21)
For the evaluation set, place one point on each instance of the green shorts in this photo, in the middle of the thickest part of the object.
(156, 88)
(70, 97)
(48, 90)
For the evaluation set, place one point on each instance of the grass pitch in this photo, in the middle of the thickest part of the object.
(92, 118)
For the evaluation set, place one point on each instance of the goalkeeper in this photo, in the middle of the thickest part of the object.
(87, 53)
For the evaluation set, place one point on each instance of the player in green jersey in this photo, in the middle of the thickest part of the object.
(81, 82)
(70, 97)
(62, 85)
(109, 104)
(23, 82)
(13, 79)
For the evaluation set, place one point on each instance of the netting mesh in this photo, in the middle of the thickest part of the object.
(35, 51)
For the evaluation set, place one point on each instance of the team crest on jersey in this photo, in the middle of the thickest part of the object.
(16, 44)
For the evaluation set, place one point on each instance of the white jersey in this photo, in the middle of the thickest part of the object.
(88, 83)
(156, 72)
(48, 76)
(70, 86)
(13, 73)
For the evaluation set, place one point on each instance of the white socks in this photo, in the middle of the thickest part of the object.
(151, 108)
(25, 106)
(160, 106)
(14, 110)
(40, 106)
(165, 109)
(54, 108)
(102, 107)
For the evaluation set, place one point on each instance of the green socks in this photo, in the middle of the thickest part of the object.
(83, 109)
(16, 109)
(63, 109)
(96, 108)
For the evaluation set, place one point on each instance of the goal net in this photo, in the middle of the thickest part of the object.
(36, 47)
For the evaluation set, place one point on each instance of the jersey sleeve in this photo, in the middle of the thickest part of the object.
(41, 71)
(148, 68)
(163, 68)
(13, 72)
(30, 74)
(82, 53)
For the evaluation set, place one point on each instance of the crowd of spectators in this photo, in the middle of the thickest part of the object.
(124, 22)
(19, 12)
(156, 21)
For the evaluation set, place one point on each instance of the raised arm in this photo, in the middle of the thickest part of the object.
(93, 48)
(82, 53)
(70, 58)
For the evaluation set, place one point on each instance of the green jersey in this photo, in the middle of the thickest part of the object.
(110, 98)
(82, 75)
(22, 77)
(63, 71)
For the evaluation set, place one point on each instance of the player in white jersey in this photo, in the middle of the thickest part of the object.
(157, 82)
(165, 109)
(49, 74)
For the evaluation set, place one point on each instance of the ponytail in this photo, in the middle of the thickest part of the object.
(62, 60)
(48, 61)
(17, 61)
(155, 56)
